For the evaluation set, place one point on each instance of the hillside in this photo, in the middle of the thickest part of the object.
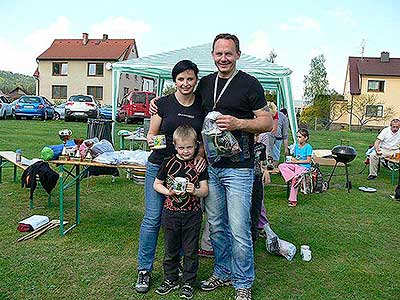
(10, 80)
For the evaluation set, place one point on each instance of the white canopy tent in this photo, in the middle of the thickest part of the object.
(159, 66)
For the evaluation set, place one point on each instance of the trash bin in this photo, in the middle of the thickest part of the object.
(100, 128)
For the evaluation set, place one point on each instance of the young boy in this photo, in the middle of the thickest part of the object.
(181, 218)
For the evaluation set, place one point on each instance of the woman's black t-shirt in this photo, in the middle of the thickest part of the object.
(173, 115)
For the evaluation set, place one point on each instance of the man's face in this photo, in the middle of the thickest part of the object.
(225, 57)
(395, 126)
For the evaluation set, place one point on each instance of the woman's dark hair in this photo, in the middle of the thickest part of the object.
(304, 132)
(227, 36)
(183, 66)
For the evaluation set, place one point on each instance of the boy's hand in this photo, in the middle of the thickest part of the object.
(190, 188)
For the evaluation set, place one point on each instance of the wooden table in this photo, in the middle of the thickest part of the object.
(64, 183)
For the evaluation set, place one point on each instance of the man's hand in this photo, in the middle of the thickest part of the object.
(228, 122)
(153, 109)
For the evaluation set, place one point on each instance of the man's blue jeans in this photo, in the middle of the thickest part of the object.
(151, 221)
(228, 208)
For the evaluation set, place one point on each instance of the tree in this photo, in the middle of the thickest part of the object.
(272, 56)
(316, 82)
(169, 89)
(366, 109)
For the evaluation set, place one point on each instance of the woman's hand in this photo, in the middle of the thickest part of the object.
(200, 163)
(150, 140)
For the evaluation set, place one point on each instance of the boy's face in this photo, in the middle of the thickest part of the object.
(185, 148)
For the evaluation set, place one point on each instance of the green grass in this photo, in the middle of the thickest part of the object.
(354, 236)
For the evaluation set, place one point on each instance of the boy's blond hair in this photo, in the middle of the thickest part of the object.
(184, 132)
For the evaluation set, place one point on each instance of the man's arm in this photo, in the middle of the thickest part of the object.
(261, 123)
(376, 146)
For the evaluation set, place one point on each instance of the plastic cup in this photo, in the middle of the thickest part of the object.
(180, 184)
(288, 158)
(159, 142)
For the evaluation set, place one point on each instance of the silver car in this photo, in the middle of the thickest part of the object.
(5, 107)
(59, 111)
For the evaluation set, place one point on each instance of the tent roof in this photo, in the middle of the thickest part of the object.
(160, 65)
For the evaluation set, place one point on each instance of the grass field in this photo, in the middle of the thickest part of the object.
(354, 237)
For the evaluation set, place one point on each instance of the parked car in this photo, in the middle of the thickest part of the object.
(134, 106)
(81, 107)
(13, 107)
(5, 107)
(59, 111)
(34, 106)
(106, 111)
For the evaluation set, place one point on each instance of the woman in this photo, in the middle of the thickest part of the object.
(179, 108)
(299, 164)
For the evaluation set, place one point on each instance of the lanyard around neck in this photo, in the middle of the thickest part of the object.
(223, 89)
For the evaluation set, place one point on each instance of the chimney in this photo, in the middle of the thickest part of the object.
(105, 37)
(385, 57)
(85, 38)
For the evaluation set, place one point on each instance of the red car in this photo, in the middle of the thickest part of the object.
(135, 106)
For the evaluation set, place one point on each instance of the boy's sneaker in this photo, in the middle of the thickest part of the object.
(143, 282)
(167, 286)
(186, 291)
(243, 294)
(205, 253)
(214, 282)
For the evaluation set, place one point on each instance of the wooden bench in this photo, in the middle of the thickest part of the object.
(9, 157)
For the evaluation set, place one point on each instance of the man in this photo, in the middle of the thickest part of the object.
(387, 143)
(280, 135)
(240, 99)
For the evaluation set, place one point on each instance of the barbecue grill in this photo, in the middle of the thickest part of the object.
(343, 154)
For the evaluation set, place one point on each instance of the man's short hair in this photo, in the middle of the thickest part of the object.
(227, 36)
(185, 132)
(395, 120)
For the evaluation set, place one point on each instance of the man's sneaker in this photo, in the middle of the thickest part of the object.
(186, 291)
(143, 282)
(214, 282)
(205, 253)
(167, 286)
(243, 294)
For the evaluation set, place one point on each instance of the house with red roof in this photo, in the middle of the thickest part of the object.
(83, 66)
(378, 76)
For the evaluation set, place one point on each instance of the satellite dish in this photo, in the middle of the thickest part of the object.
(108, 66)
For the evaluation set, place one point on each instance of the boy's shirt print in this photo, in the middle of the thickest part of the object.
(173, 167)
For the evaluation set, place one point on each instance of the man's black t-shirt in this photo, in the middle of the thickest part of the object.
(173, 167)
(243, 96)
(174, 114)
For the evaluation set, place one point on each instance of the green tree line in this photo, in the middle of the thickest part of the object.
(10, 80)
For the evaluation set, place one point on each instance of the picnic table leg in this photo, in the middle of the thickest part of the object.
(49, 204)
(61, 168)
(15, 173)
(1, 167)
(77, 196)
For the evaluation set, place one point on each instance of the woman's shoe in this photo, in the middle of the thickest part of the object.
(292, 203)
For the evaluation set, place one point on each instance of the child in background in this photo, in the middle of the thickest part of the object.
(181, 217)
(299, 164)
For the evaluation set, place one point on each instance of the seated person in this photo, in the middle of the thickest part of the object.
(386, 144)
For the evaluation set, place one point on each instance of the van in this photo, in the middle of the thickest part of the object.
(134, 106)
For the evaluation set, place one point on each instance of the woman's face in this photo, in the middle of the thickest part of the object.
(185, 82)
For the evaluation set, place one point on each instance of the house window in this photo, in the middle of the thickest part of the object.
(60, 69)
(126, 90)
(374, 110)
(95, 69)
(376, 86)
(59, 92)
(95, 91)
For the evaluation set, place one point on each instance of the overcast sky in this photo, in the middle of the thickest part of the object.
(296, 30)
